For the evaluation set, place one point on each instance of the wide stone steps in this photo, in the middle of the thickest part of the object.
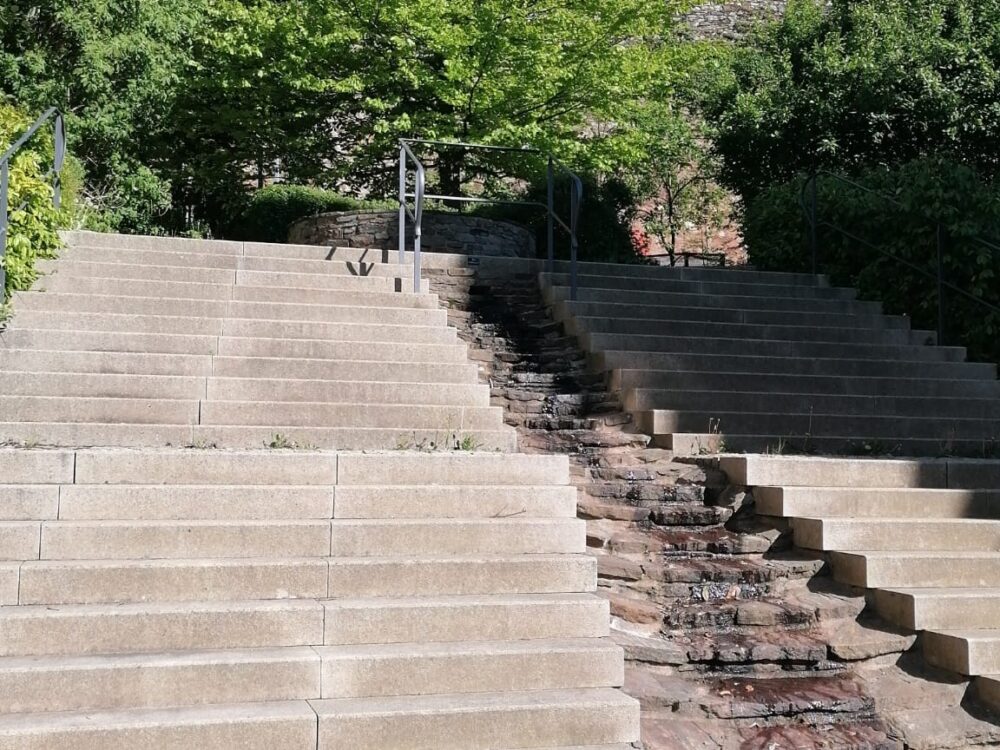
(922, 535)
(708, 287)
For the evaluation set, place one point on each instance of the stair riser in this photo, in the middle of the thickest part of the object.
(93, 385)
(775, 471)
(652, 381)
(937, 613)
(129, 582)
(600, 342)
(304, 278)
(72, 265)
(456, 502)
(130, 684)
(930, 536)
(348, 350)
(810, 366)
(117, 410)
(809, 503)
(120, 363)
(414, 334)
(962, 655)
(708, 288)
(362, 415)
(272, 292)
(930, 572)
(356, 392)
(358, 370)
(28, 502)
(394, 469)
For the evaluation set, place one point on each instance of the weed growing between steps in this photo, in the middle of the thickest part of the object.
(733, 638)
(283, 442)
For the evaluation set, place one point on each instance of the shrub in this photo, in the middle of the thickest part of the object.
(33, 229)
(923, 193)
(272, 209)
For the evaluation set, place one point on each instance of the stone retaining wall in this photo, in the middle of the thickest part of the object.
(732, 19)
(442, 233)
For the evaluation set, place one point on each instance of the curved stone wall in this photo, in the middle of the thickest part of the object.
(442, 233)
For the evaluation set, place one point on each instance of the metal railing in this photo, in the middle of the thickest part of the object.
(59, 156)
(419, 195)
(809, 201)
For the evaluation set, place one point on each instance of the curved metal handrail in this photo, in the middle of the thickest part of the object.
(59, 157)
(810, 209)
(419, 195)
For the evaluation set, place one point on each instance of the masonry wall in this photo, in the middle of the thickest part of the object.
(731, 20)
(442, 233)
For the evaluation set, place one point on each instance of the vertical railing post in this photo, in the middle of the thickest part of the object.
(574, 216)
(4, 223)
(60, 156)
(418, 219)
(402, 204)
(813, 216)
(941, 240)
(551, 252)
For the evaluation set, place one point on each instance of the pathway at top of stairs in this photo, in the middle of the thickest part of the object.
(734, 638)
(168, 598)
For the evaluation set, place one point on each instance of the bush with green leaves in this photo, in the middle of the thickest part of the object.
(34, 222)
(851, 84)
(271, 210)
(900, 219)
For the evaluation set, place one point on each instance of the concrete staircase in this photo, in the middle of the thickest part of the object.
(714, 359)
(922, 536)
(160, 598)
(153, 341)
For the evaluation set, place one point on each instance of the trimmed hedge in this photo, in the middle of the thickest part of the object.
(271, 210)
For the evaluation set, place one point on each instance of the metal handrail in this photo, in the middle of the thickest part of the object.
(812, 216)
(420, 195)
(55, 173)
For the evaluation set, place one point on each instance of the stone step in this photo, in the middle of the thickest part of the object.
(682, 315)
(302, 308)
(863, 502)
(469, 501)
(318, 414)
(361, 332)
(289, 725)
(641, 382)
(706, 286)
(79, 238)
(579, 326)
(349, 392)
(682, 344)
(347, 370)
(130, 540)
(479, 721)
(219, 579)
(143, 540)
(441, 668)
(938, 608)
(80, 630)
(465, 618)
(120, 363)
(74, 263)
(110, 341)
(809, 471)
(96, 683)
(183, 467)
(28, 502)
(343, 350)
(553, 295)
(32, 319)
(771, 365)
(968, 652)
(701, 444)
(107, 410)
(917, 569)
(103, 385)
(802, 424)
(805, 403)
(406, 468)
(740, 273)
(340, 283)
(897, 534)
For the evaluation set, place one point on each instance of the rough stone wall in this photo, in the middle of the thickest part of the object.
(730, 20)
(442, 233)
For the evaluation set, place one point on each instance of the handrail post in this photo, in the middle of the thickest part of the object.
(813, 215)
(574, 213)
(941, 239)
(418, 218)
(402, 204)
(551, 252)
(59, 158)
(4, 223)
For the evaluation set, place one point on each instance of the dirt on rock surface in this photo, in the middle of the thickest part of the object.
(734, 639)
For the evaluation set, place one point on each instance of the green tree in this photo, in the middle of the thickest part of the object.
(858, 84)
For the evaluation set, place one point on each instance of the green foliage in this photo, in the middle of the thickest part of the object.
(860, 83)
(33, 229)
(271, 210)
(923, 193)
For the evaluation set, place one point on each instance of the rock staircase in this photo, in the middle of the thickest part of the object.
(174, 575)
(708, 361)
